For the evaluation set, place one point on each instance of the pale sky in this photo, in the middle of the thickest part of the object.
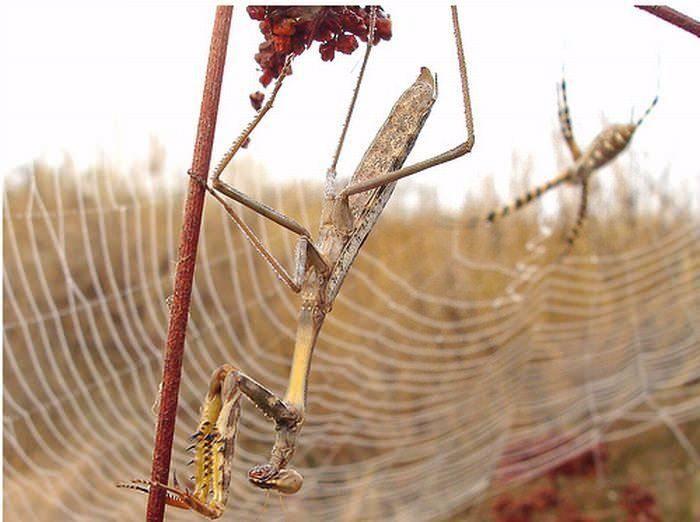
(87, 79)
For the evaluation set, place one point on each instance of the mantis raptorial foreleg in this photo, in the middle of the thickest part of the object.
(565, 121)
(287, 419)
(456, 152)
(213, 444)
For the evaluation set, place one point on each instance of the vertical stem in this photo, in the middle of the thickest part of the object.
(187, 252)
(673, 17)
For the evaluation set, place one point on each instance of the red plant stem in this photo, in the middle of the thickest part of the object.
(673, 17)
(187, 252)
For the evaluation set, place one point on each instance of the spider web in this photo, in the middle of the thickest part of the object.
(441, 375)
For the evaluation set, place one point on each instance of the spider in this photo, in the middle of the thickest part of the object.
(605, 147)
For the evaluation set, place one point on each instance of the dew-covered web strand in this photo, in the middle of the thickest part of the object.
(413, 392)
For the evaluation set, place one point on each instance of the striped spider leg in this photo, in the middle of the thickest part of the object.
(347, 218)
(568, 134)
(605, 147)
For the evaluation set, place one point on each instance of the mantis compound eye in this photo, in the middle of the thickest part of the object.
(266, 476)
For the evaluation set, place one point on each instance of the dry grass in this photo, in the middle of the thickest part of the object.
(413, 243)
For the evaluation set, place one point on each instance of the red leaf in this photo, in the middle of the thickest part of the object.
(265, 27)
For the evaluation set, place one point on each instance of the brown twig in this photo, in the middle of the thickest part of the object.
(673, 17)
(187, 252)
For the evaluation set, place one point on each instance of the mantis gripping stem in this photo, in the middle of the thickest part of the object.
(321, 266)
(214, 441)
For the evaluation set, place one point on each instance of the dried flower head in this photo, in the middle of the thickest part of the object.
(293, 29)
(639, 503)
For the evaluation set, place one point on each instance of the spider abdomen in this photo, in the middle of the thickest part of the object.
(605, 147)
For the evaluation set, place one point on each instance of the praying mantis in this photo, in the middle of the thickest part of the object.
(604, 148)
(347, 217)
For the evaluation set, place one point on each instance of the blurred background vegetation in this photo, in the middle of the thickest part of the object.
(90, 256)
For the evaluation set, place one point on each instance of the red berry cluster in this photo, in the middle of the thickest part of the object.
(582, 465)
(640, 504)
(509, 509)
(293, 29)
(637, 503)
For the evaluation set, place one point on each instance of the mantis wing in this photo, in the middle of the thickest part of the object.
(387, 152)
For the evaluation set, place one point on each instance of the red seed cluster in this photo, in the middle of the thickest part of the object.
(293, 29)
(640, 504)
(582, 465)
(508, 509)
(542, 504)
(554, 501)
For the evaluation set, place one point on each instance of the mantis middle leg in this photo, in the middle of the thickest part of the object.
(213, 444)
